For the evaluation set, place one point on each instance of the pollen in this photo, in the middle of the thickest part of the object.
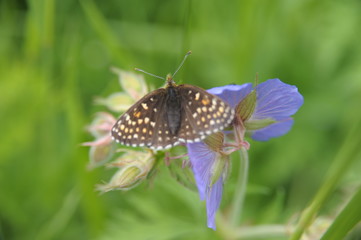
(122, 127)
(203, 119)
(221, 109)
(144, 130)
(140, 121)
(146, 120)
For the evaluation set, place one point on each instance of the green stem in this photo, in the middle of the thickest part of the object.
(240, 190)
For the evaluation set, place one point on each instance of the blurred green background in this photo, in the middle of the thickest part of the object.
(55, 58)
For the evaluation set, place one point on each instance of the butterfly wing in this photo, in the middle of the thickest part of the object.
(204, 114)
(136, 126)
(146, 122)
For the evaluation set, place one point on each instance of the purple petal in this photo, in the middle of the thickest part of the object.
(232, 94)
(214, 196)
(203, 159)
(273, 130)
(277, 100)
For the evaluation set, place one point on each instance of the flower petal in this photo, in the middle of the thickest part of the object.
(214, 196)
(232, 94)
(202, 159)
(276, 100)
(273, 130)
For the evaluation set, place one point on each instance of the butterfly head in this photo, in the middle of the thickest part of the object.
(170, 81)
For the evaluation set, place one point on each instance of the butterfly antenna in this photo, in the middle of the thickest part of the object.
(184, 59)
(153, 75)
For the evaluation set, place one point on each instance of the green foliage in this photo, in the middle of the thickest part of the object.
(55, 57)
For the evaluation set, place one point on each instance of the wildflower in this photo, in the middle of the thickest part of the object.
(263, 112)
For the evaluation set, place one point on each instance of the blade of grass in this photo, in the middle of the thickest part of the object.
(346, 220)
(343, 160)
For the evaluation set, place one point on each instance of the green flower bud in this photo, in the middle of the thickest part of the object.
(246, 107)
(134, 167)
(215, 141)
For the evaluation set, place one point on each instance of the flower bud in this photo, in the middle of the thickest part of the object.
(101, 125)
(215, 141)
(117, 102)
(132, 83)
(134, 167)
(246, 107)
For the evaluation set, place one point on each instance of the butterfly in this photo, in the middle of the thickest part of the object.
(170, 116)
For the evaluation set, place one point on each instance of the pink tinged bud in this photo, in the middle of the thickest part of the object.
(246, 107)
(133, 84)
(116, 102)
(100, 154)
(101, 125)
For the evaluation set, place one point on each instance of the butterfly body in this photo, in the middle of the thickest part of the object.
(172, 115)
(173, 109)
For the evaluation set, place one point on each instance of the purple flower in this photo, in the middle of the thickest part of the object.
(275, 103)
